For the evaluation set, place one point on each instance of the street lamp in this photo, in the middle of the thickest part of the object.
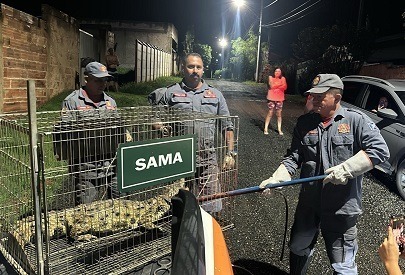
(223, 42)
(240, 3)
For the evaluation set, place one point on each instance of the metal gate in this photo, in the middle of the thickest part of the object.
(87, 226)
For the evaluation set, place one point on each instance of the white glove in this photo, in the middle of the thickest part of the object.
(229, 162)
(128, 136)
(351, 168)
(280, 175)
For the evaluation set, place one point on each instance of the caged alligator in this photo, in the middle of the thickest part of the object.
(87, 221)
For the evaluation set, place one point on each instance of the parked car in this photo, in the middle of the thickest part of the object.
(384, 102)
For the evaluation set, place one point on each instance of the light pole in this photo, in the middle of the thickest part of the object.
(258, 42)
(240, 3)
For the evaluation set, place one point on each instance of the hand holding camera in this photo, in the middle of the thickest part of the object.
(389, 250)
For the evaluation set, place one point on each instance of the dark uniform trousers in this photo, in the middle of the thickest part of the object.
(94, 180)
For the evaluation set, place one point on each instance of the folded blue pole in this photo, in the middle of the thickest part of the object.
(255, 189)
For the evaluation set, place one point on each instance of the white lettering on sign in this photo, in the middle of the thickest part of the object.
(162, 160)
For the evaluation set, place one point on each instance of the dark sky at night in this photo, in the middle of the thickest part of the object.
(214, 18)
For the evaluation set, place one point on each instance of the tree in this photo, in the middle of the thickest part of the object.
(339, 49)
(312, 43)
(206, 53)
(243, 58)
(188, 43)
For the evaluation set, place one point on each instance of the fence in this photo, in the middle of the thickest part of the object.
(151, 62)
(87, 226)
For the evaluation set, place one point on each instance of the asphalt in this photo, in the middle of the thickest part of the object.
(255, 243)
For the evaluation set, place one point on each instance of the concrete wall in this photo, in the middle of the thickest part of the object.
(44, 50)
(160, 35)
(151, 62)
(384, 71)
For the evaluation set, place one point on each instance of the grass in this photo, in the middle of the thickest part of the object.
(254, 83)
(144, 88)
(129, 95)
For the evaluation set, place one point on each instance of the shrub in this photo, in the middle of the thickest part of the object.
(144, 88)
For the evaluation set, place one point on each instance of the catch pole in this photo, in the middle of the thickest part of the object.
(255, 189)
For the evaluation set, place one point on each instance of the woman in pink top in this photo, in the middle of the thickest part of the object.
(275, 98)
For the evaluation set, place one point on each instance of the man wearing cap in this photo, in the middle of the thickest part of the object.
(89, 107)
(193, 94)
(92, 95)
(344, 144)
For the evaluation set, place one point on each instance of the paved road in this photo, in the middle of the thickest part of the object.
(255, 242)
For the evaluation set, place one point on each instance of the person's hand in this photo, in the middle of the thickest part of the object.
(389, 253)
(351, 168)
(337, 175)
(229, 162)
(280, 175)
(128, 136)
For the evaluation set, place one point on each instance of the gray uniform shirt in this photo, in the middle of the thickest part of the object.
(316, 147)
(206, 99)
(78, 100)
(94, 126)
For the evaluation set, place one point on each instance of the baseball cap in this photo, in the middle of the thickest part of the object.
(96, 69)
(322, 83)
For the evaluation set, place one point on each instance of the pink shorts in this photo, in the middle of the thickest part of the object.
(278, 105)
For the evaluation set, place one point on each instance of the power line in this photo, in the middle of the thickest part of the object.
(288, 13)
(278, 21)
(270, 4)
(296, 19)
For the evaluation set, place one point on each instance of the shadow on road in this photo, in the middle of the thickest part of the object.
(259, 123)
(386, 180)
(252, 267)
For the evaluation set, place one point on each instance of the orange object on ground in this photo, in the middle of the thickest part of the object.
(198, 244)
(277, 88)
(217, 260)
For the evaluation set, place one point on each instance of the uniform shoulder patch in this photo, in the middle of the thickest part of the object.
(372, 126)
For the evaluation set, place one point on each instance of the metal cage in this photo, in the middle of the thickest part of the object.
(87, 225)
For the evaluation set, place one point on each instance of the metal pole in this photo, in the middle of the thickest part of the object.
(32, 117)
(258, 42)
(360, 15)
(222, 59)
(136, 61)
(255, 189)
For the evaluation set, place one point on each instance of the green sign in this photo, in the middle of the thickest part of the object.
(146, 163)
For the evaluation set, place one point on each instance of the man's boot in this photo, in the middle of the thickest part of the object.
(299, 264)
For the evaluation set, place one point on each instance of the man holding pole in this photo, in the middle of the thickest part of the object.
(344, 144)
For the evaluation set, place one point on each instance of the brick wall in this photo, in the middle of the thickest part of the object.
(62, 50)
(384, 71)
(44, 50)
